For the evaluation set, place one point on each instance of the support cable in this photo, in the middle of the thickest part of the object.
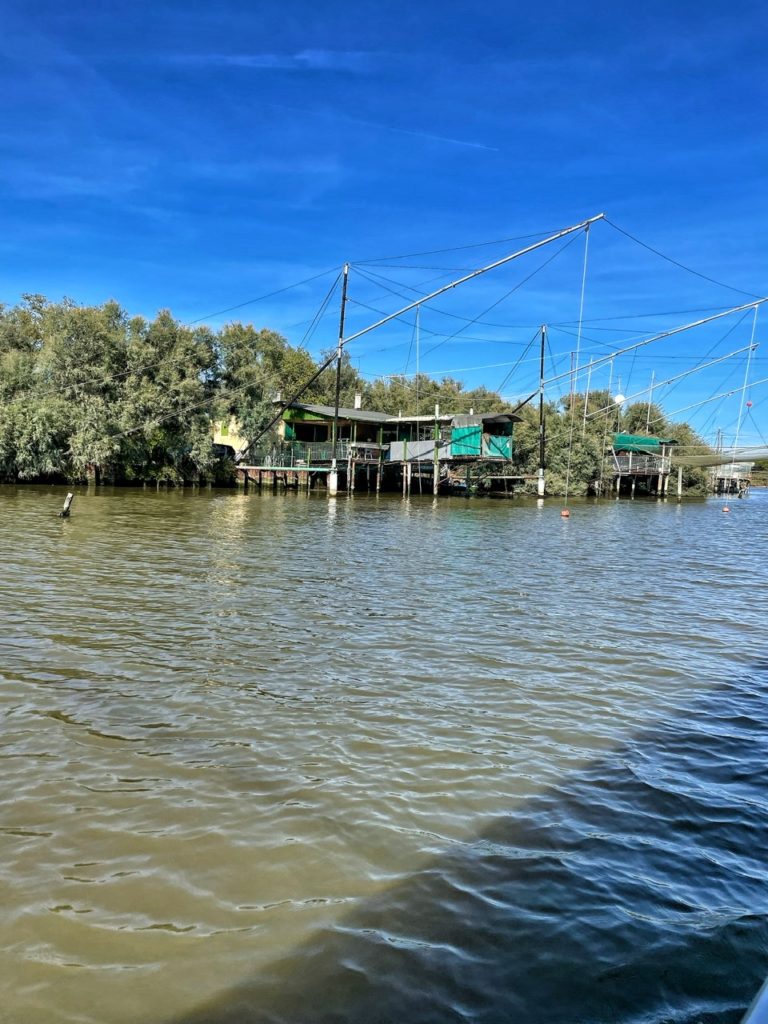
(503, 298)
(455, 248)
(605, 433)
(576, 363)
(661, 337)
(320, 313)
(261, 298)
(517, 362)
(743, 390)
(682, 266)
(678, 377)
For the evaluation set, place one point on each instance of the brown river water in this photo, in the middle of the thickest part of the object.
(298, 759)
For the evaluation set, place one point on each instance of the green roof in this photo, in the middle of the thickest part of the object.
(640, 443)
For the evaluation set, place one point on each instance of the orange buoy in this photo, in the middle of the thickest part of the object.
(565, 513)
(726, 509)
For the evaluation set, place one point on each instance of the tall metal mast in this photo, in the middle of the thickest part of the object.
(540, 482)
(333, 476)
(418, 302)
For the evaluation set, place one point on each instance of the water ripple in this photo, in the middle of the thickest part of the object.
(278, 758)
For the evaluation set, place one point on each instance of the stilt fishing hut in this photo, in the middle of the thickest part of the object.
(637, 460)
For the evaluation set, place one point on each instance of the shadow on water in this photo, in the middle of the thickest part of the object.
(632, 891)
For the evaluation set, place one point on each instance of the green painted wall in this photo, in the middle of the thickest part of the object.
(466, 440)
(498, 447)
(301, 415)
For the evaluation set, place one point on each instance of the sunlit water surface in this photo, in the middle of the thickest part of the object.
(285, 758)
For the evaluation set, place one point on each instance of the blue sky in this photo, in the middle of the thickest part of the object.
(195, 157)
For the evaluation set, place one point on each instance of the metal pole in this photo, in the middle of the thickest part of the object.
(664, 334)
(436, 452)
(418, 311)
(333, 476)
(650, 400)
(540, 481)
(744, 389)
(586, 400)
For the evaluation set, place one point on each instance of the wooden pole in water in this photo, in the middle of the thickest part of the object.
(679, 483)
(351, 458)
(379, 458)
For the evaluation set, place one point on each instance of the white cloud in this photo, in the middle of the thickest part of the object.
(358, 62)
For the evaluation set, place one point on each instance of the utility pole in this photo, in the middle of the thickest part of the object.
(333, 476)
(540, 482)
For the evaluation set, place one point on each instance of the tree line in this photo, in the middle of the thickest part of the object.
(85, 387)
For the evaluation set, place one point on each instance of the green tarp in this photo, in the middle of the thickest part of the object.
(639, 443)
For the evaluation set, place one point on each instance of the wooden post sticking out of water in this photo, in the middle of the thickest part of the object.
(679, 483)
(64, 514)
(436, 452)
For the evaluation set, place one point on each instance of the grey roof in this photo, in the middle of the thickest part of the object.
(491, 417)
(370, 416)
(360, 415)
